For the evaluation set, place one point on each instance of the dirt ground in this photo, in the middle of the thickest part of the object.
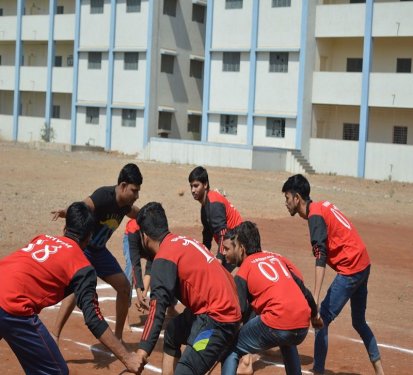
(35, 182)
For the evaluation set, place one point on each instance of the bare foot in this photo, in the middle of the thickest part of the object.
(245, 365)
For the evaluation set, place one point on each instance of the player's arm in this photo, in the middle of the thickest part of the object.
(318, 235)
(243, 297)
(163, 284)
(133, 212)
(218, 220)
(83, 284)
(62, 212)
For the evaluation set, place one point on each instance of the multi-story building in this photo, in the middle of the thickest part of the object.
(107, 73)
(322, 85)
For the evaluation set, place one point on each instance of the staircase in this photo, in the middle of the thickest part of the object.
(303, 162)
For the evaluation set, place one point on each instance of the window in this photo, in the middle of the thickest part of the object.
(60, 9)
(231, 61)
(58, 61)
(169, 7)
(354, 65)
(1, 12)
(198, 13)
(278, 62)
(133, 6)
(404, 66)
(195, 69)
(233, 4)
(281, 3)
(92, 115)
(69, 60)
(400, 135)
(167, 63)
(357, 1)
(0, 59)
(275, 127)
(164, 124)
(131, 61)
(129, 118)
(194, 123)
(350, 132)
(229, 124)
(56, 111)
(96, 6)
(94, 60)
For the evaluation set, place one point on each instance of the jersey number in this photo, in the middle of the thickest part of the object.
(208, 256)
(269, 271)
(42, 254)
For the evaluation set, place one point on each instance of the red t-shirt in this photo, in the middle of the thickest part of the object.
(131, 226)
(334, 238)
(274, 295)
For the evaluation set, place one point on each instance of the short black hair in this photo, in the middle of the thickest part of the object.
(152, 221)
(248, 235)
(80, 222)
(297, 184)
(130, 174)
(199, 174)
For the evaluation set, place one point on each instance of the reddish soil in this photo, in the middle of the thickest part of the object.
(34, 182)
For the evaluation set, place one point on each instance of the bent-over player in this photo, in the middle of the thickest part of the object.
(271, 287)
(41, 274)
(185, 269)
(335, 242)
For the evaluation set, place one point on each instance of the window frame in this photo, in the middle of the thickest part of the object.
(94, 65)
(280, 3)
(228, 124)
(196, 69)
(97, 6)
(351, 131)
(55, 111)
(354, 65)
(167, 63)
(400, 135)
(133, 8)
(228, 61)
(275, 127)
(92, 118)
(403, 65)
(198, 15)
(129, 118)
(169, 7)
(277, 63)
(58, 61)
(133, 64)
(234, 4)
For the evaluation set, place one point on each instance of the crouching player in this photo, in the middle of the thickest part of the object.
(185, 269)
(272, 287)
(41, 274)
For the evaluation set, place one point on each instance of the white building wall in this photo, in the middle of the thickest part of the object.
(8, 27)
(129, 85)
(393, 18)
(91, 134)
(231, 27)
(94, 28)
(93, 83)
(214, 134)
(229, 90)
(35, 27)
(127, 140)
(61, 130)
(391, 90)
(6, 127)
(7, 77)
(33, 78)
(64, 27)
(276, 92)
(30, 128)
(131, 28)
(260, 138)
(279, 28)
(62, 78)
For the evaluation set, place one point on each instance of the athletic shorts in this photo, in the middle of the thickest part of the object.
(103, 261)
(207, 340)
(32, 344)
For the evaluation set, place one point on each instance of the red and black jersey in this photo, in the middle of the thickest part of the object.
(44, 272)
(334, 239)
(185, 269)
(273, 287)
(108, 215)
(217, 216)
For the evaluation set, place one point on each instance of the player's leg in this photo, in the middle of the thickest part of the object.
(207, 343)
(66, 308)
(109, 270)
(32, 344)
(358, 316)
(126, 254)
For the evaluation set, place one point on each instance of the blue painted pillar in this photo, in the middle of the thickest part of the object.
(301, 74)
(207, 70)
(75, 72)
(17, 65)
(364, 105)
(111, 59)
(253, 71)
(50, 64)
(148, 101)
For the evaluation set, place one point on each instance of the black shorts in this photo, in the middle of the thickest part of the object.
(207, 340)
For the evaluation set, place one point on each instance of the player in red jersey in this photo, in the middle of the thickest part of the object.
(335, 242)
(217, 213)
(109, 204)
(185, 269)
(270, 286)
(41, 274)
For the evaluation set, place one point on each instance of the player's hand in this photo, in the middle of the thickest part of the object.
(57, 214)
(142, 303)
(136, 361)
(317, 322)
